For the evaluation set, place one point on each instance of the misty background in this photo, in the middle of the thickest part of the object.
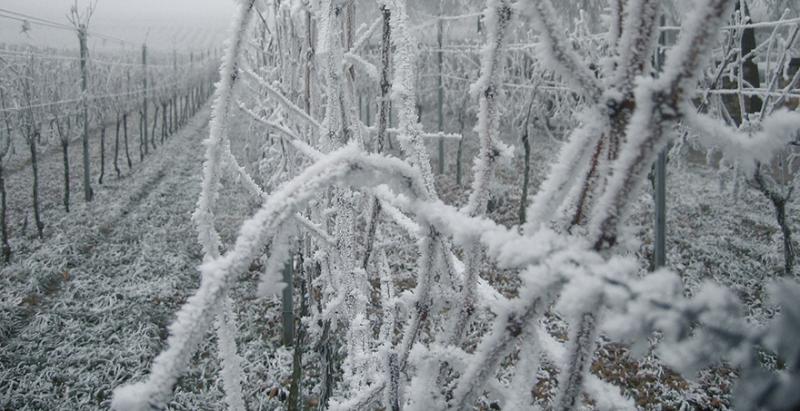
(181, 25)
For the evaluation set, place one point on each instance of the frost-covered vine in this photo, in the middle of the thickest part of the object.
(393, 323)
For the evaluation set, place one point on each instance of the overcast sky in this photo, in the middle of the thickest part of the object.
(171, 23)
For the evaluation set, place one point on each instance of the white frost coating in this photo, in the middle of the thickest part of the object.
(193, 319)
(579, 354)
(632, 321)
(369, 69)
(747, 149)
(133, 397)
(698, 33)
(509, 248)
(231, 362)
(254, 190)
(363, 39)
(498, 19)
(280, 98)
(636, 44)
(658, 104)
(434, 135)
(406, 223)
(540, 289)
(574, 154)
(525, 372)
(441, 134)
(229, 72)
(274, 126)
(480, 230)
(315, 229)
(271, 281)
(422, 393)
(323, 27)
(389, 305)
(428, 250)
(615, 21)
(557, 52)
(403, 93)
(288, 135)
(606, 395)
(333, 130)
(431, 243)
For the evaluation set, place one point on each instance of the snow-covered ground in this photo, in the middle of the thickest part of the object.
(87, 308)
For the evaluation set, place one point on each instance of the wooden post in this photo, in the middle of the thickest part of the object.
(660, 254)
(3, 223)
(660, 240)
(102, 151)
(526, 176)
(172, 120)
(384, 104)
(295, 394)
(144, 95)
(116, 147)
(32, 135)
(440, 94)
(87, 180)
(288, 306)
(125, 124)
(361, 109)
(6, 144)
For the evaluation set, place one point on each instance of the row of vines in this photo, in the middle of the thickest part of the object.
(126, 101)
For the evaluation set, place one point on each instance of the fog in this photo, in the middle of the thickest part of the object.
(165, 24)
